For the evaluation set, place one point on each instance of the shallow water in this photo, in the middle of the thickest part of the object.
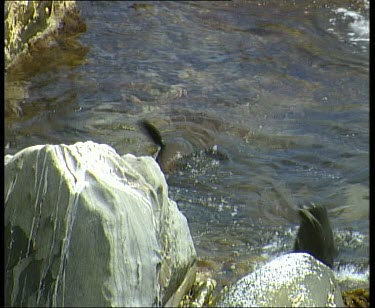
(281, 87)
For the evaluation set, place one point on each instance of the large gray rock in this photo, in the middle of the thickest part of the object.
(292, 280)
(86, 227)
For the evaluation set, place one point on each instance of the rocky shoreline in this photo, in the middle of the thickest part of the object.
(85, 226)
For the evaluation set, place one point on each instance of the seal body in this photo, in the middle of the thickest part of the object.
(315, 235)
(168, 153)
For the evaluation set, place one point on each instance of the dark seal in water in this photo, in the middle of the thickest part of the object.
(315, 235)
(170, 152)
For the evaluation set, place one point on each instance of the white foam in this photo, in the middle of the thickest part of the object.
(351, 272)
(359, 26)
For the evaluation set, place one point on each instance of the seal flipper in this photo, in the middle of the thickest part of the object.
(154, 135)
(170, 152)
(315, 235)
(152, 132)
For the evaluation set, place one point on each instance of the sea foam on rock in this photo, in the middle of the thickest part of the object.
(292, 280)
(87, 227)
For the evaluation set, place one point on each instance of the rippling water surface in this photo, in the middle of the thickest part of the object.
(274, 96)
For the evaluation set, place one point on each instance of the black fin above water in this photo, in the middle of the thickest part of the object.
(152, 132)
(315, 235)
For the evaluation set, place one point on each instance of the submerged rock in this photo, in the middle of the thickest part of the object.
(292, 280)
(86, 227)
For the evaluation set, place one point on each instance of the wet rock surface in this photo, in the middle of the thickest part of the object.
(292, 280)
(356, 298)
(27, 22)
(87, 227)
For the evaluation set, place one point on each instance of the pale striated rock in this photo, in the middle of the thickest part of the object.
(86, 227)
(292, 280)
